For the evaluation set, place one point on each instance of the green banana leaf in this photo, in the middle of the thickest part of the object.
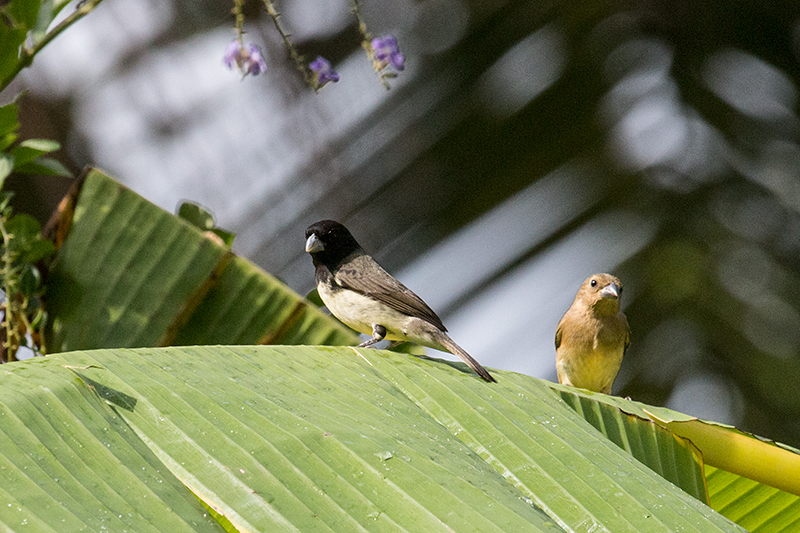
(129, 274)
(756, 507)
(753, 481)
(282, 438)
(674, 458)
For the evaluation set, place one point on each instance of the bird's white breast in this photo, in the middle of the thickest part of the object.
(361, 312)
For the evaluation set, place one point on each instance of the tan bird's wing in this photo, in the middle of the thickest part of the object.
(362, 274)
(627, 337)
(558, 333)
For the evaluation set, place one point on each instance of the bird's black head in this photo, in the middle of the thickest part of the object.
(329, 243)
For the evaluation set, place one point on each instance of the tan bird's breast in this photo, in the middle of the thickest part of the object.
(593, 369)
(591, 360)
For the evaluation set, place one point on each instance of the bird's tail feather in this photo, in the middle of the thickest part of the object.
(455, 349)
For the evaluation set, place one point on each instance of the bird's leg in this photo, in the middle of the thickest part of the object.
(378, 333)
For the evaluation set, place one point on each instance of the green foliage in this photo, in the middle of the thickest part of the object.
(196, 215)
(22, 246)
(18, 17)
(130, 274)
(751, 480)
(28, 158)
(26, 29)
(758, 508)
(649, 442)
(9, 124)
(314, 298)
(293, 438)
(28, 155)
(199, 217)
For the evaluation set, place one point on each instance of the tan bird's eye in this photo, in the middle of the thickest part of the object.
(594, 283)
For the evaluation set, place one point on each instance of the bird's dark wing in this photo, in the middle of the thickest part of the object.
(362, 274)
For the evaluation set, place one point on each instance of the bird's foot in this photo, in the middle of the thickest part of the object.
(378, 333)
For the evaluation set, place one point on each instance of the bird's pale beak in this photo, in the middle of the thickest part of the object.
(313, 244)
(610, 291)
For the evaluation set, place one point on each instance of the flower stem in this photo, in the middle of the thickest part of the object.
(294, 54)
(238, 12)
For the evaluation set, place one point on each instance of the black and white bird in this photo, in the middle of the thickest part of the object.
(368, 299)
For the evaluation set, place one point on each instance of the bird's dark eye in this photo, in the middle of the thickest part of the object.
(593, 283)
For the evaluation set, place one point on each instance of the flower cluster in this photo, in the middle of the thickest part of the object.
(387, 52)
(249, 59)
(383, 52)
(323, 71)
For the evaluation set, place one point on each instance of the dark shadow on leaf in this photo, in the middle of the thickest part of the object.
(113, 396)
(413, 349)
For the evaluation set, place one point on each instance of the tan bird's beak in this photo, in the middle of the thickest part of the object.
(313, 244)
(610, 291)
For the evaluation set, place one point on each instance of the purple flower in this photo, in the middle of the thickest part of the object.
(387, 52)
(232, 54)
(321, 67)
(257, 63)
(249, 59)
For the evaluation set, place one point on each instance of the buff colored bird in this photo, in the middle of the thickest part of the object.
(592, 336)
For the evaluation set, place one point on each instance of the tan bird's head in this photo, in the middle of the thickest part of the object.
(601, 293)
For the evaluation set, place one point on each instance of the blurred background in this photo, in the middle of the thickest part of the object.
(526, 146)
